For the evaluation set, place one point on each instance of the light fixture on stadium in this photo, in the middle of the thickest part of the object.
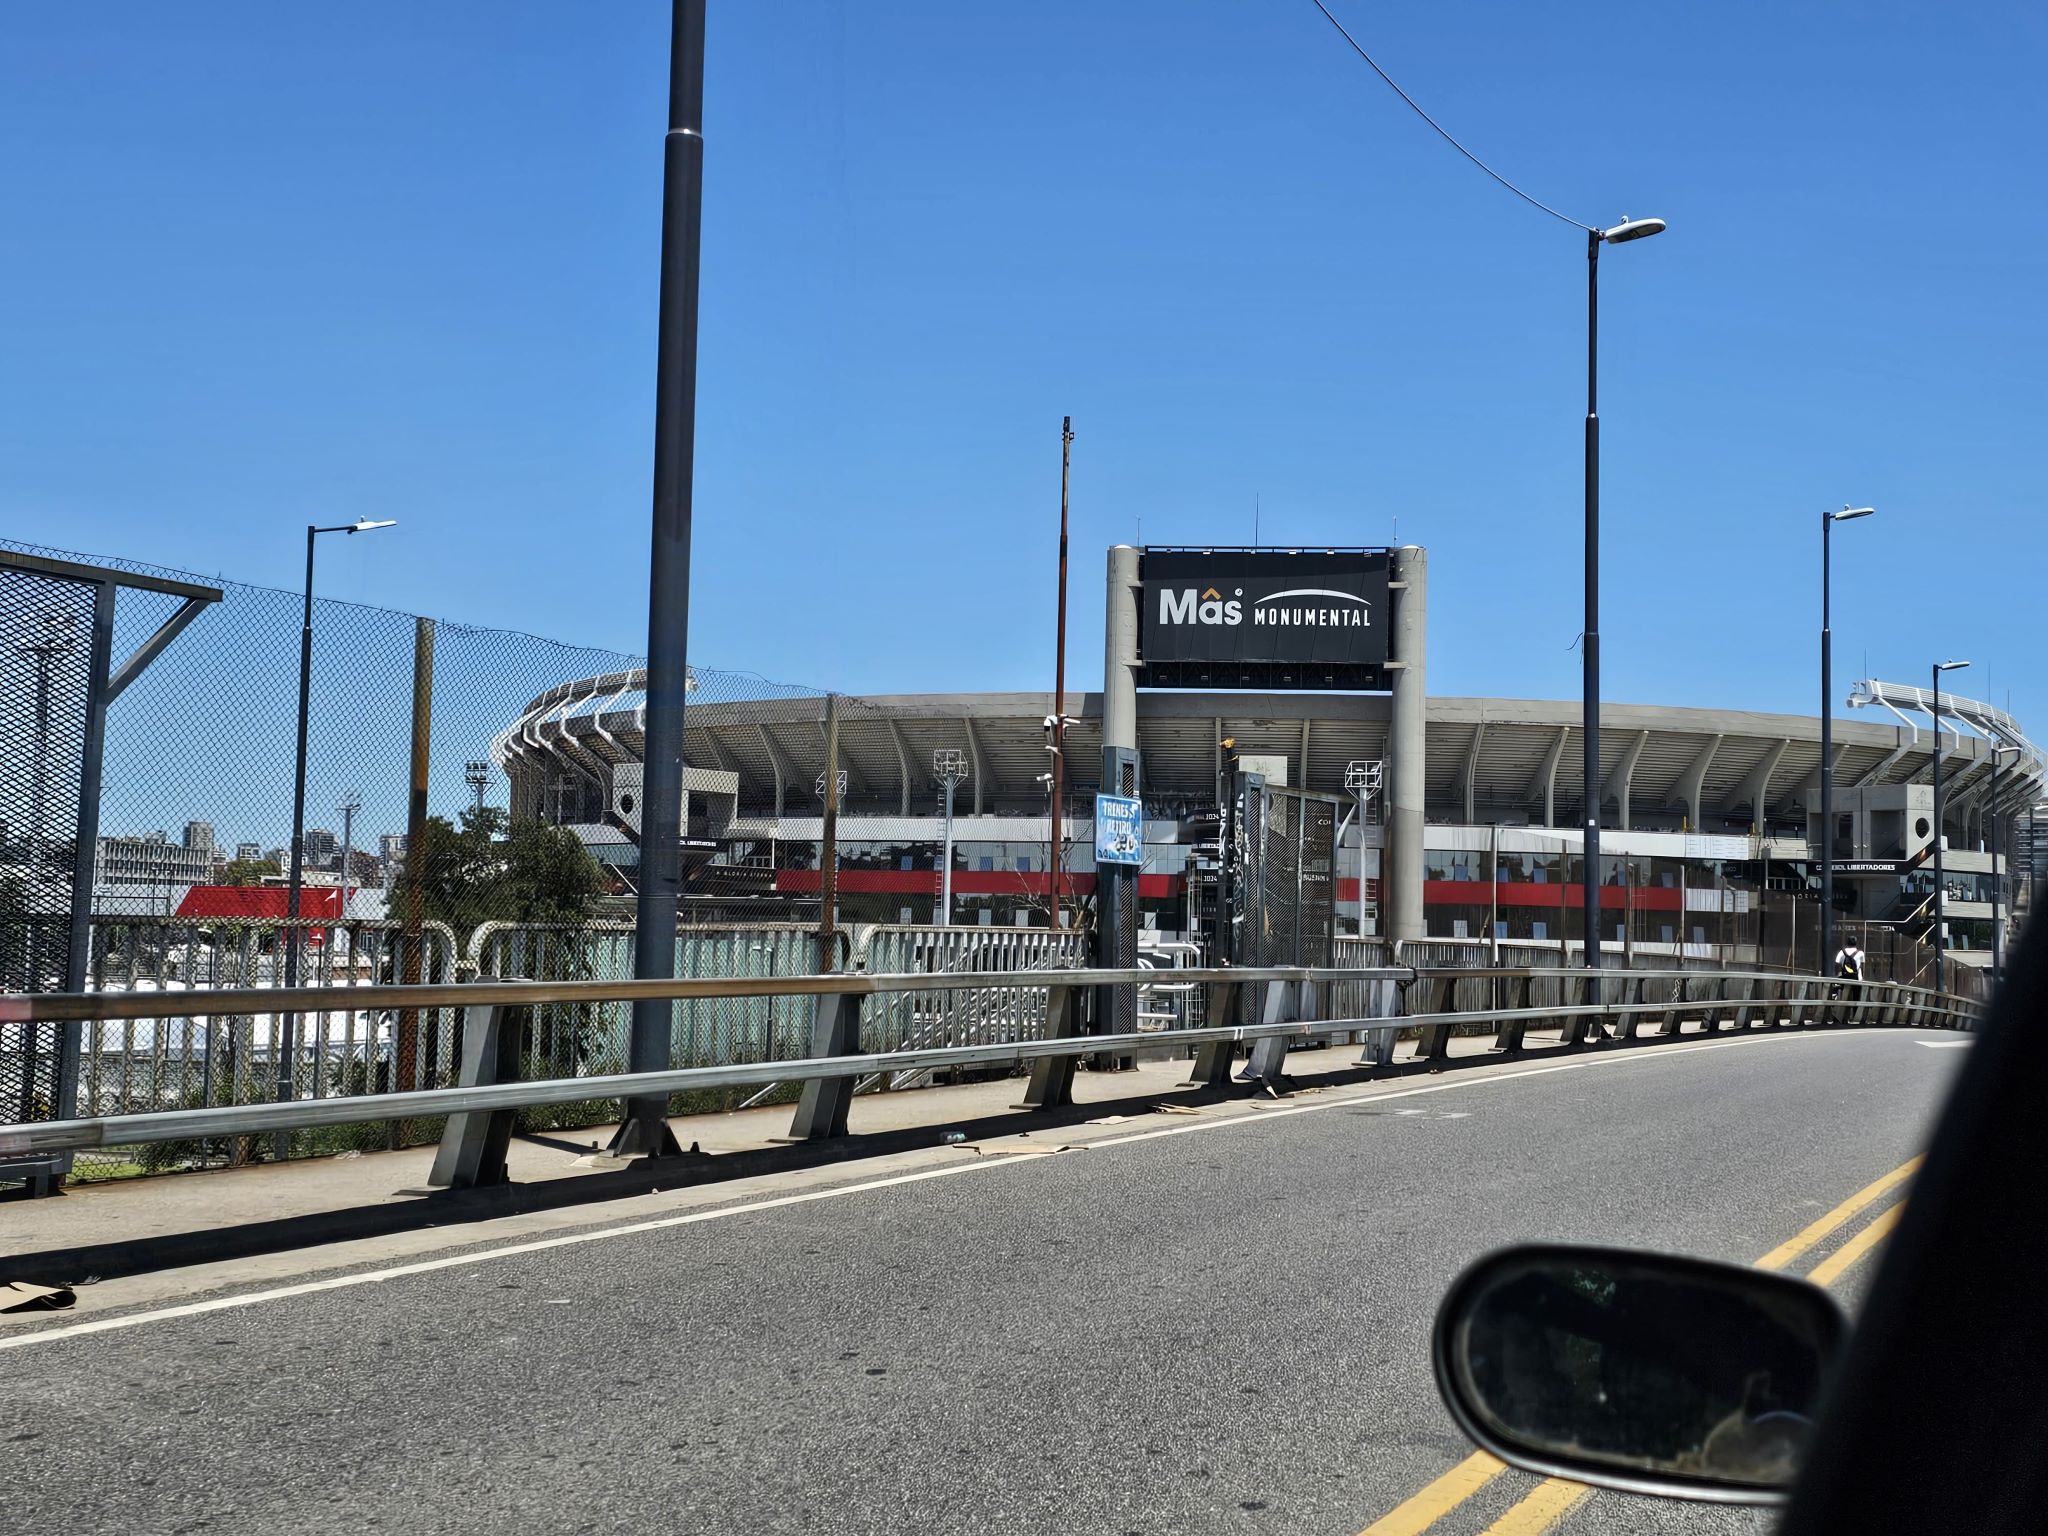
(1846, 513)
(364, 525)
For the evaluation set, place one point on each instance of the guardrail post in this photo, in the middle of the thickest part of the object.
(1212, 1061)
(1052, 1077)
(1574, 991)
(1759, 1016)
(1507, 1035)
(1285, 1003)
(835, 1031)
(473, 1146)
(1379, 1043)
(1681, 994)
(1743, 990)
(1631, 994)
(1433, 1041)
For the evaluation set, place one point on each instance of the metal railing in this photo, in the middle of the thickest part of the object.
(1296, 1005)
(171, 1057)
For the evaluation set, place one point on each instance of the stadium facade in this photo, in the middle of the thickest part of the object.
(1710, 817)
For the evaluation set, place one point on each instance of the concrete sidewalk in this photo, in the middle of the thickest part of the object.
(135, 1225)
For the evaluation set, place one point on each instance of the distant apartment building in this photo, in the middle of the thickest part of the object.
(248, 852)
(199, 834)
(323, 848)
(152, 859)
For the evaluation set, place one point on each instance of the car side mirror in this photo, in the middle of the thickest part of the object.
(1642, 1371)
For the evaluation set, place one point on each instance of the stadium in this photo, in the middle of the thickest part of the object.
(1710, 817)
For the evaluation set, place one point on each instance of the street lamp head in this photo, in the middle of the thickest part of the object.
(1632, 229)
(1950, 666)
(364, 525)
(1846, 513)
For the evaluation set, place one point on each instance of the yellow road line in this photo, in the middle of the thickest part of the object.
(1553, 1499)
(1420, 1512)
(1786, 1252)
(1830, 1269)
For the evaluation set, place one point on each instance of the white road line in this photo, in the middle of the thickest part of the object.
(1942, 1045)
(693, 1218)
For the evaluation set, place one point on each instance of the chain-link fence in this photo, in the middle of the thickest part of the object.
(45, 680)
(473, 802)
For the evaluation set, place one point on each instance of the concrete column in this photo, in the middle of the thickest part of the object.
(1401, 864)
(1120, 652)
(1116, 887)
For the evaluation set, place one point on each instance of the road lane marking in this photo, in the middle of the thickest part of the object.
(1552, 1500)
(1786, 1252)
(1417, 1514)
(778, 1202)
(1831, 1269)
(1555, 1497)
(1564, 1495)
(1942, 1045)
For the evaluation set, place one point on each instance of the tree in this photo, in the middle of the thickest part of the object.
(247, 872)
(491, 868)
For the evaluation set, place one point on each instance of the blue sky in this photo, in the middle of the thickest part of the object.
(267, 264)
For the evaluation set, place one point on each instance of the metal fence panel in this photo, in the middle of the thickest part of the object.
(47, 666)
(980, 1016)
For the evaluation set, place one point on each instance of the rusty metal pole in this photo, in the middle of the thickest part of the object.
(1057, 835)
(406, 1052)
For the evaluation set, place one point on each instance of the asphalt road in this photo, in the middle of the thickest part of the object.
(1196, 1324)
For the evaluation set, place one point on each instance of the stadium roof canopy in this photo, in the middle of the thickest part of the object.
(1489, 760)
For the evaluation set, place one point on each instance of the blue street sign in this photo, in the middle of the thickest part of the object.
(1119, 830)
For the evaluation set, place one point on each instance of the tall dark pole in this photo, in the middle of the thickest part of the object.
(644, 1130)
(1590, 727)
(1827, 755)
(1059, 690)
(286, 1041)
(1940, 894)
(1997, 878)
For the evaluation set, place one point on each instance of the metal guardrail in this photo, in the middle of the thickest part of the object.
(1293, 1008)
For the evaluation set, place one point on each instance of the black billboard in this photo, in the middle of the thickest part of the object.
(1263, 618)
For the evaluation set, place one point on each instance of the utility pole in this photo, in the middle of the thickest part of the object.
(351, 802)
(1059, 692)
(644, 1131)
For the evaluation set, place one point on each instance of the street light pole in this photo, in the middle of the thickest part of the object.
(949, 766)
(644, 1130)
(1940, 890)
(288, 1043)
(1827, 739)
(1589, 731)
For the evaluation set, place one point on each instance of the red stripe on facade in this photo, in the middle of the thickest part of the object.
(966, 882)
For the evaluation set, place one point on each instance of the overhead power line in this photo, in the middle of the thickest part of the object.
(1395, 86)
